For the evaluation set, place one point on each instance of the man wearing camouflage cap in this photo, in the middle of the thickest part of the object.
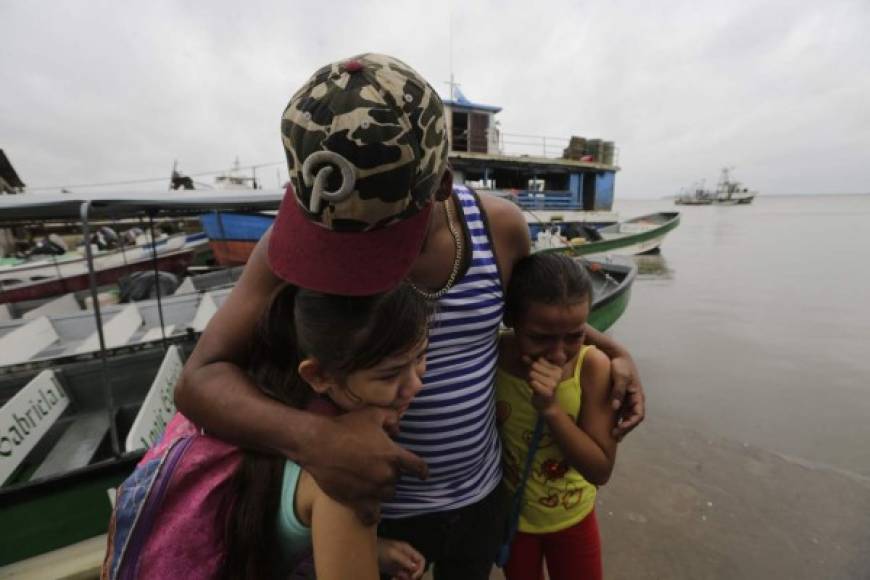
(372, 203)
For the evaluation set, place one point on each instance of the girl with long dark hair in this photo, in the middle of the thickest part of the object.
(225, 512)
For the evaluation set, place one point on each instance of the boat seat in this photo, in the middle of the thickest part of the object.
(27, 341)
(186, 287)
(206, 309)
(66, 304)
(117, 332)
(154, 333)
(77, 446)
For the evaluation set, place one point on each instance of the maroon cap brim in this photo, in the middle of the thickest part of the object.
(347, 263)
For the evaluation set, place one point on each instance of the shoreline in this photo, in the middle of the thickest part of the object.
(691, 505)
(687, 504)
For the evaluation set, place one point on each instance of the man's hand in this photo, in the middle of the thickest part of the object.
(355, 462)
(543, 378)
(627, 395)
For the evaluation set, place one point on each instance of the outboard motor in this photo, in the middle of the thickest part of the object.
(129, 237)
(105, 238)
(142, 285)
(53, 245)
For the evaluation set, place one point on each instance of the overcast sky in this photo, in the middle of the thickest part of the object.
(100, 91)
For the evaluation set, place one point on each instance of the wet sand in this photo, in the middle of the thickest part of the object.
(685, 505)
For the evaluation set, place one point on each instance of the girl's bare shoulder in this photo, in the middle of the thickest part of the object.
(595, 373)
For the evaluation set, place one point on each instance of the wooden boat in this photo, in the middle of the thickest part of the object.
(59, 492)
(67, 273)
(233, 235)
(639, 235)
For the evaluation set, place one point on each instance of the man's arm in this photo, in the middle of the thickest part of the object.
(351, 457)
(510, 234)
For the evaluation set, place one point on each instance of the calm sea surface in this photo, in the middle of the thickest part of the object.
(754, 323)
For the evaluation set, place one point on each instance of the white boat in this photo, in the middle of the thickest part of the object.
(727, 192)
(731, 192)
(54, 278)
(53, 275)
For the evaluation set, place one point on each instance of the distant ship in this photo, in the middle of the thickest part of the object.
(730, 192)
(697, 195)
(727, 192)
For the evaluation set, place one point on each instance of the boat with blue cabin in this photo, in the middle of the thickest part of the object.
(565, 187)
(555, 181)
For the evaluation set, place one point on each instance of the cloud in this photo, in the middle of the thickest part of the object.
(102, 91)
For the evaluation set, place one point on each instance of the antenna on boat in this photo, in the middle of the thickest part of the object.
(451, 82)
(173, 174)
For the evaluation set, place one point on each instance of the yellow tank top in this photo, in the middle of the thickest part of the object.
(556, 496)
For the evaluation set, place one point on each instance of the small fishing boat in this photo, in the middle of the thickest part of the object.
(53, 275)
(639, 235)
(612, 279)
(697, 197)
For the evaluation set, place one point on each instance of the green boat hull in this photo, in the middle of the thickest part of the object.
(606, 315)
(59, 513)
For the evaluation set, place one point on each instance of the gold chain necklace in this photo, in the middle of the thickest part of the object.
(457, 262)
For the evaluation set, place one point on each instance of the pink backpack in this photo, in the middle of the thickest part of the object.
(170, 514)
(168, 519)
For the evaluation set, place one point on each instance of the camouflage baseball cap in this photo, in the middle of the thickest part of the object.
(366, 149)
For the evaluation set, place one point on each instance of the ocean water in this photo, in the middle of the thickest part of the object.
(754, 324)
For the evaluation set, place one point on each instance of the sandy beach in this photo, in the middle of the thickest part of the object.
(685, 505)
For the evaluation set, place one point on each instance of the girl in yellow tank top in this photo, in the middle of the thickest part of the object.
(546, 370)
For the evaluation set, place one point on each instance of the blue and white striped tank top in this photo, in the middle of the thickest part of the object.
(451, 422)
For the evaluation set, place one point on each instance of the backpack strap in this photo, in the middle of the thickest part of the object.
(517, 501)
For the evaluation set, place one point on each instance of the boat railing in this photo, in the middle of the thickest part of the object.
(538, 146)
(556, 200)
